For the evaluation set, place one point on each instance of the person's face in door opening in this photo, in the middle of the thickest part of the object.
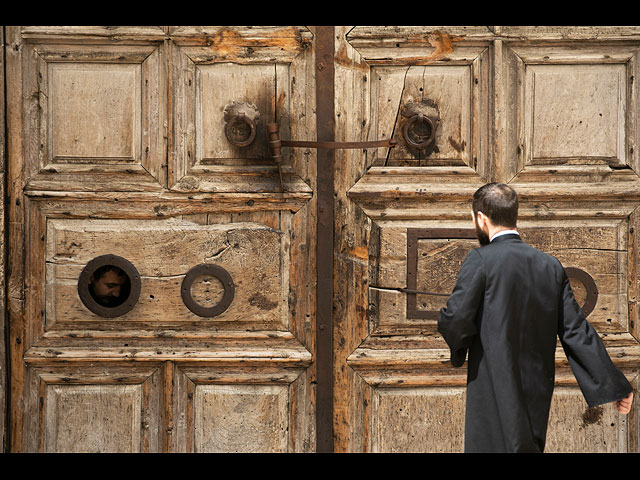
(109, 286)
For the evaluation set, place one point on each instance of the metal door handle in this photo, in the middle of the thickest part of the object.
(416, 138)
(241, 120)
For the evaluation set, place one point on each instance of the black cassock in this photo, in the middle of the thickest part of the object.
(510, 303)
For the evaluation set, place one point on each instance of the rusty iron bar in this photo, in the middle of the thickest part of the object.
(325, 132)
(276, 144)
(421, 292)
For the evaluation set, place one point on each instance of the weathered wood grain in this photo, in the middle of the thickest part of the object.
(3, 317)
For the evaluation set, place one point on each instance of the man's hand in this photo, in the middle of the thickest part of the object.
(624, 406)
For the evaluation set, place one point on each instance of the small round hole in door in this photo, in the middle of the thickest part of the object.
(109, 286)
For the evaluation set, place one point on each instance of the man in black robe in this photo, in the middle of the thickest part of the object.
(509, 305)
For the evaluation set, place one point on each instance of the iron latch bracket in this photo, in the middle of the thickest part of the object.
(275, 145)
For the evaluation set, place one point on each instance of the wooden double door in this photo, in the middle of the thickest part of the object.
(273, 306)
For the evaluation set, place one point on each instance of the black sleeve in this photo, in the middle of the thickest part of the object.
(599, 379)
(457, 321)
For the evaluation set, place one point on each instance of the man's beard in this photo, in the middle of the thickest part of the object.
(109, 301)
(483, 238)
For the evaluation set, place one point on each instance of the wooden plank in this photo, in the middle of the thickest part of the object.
(352, 395)
(3, 234)
(15, 248)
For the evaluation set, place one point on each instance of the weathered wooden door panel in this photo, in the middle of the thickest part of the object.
(118, 149)
(110, 408)
(238, 409)
(213, 68)
(178, 246)
(557, 120)
(72, 89)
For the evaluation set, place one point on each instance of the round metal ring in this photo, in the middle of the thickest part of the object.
(589, 285)
(406, 131)
(85, 278)
(213, 270)
(238, 119)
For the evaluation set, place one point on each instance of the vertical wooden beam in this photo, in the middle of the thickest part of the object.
(14, 250)
(3, 340)
(325, 126)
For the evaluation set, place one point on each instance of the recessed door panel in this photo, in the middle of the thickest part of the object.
(95, 110)
(164, 252)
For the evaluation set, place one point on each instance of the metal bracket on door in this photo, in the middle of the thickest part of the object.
(275, 145)
(422, 292)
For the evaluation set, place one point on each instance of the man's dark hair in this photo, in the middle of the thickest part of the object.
(100, 271)
(497, 201)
